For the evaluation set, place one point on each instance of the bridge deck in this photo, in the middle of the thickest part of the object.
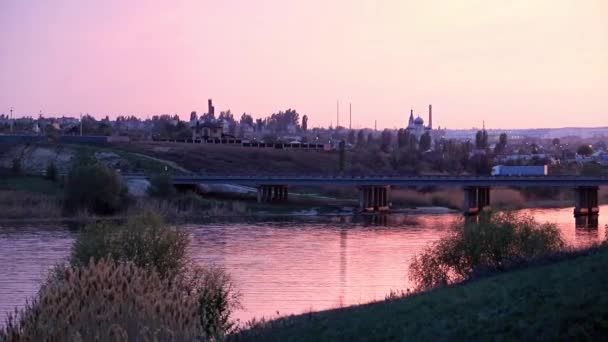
(407, 181)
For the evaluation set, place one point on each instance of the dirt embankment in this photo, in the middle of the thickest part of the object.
(34, 159)
(219, 159)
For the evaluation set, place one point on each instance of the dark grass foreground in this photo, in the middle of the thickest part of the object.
(566, 300)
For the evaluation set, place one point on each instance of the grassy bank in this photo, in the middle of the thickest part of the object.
(561, 301)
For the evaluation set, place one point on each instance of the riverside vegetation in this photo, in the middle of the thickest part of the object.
(507, 278)
(128, 282)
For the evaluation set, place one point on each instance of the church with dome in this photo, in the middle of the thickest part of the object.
(416, 127)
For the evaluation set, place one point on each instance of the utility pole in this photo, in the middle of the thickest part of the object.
(11, 120)
(350, 116)
(337, 113)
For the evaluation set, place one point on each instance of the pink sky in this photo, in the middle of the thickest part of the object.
(512, 63)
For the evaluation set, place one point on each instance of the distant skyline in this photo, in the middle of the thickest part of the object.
(512, 63)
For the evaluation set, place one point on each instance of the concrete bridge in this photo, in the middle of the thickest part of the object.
(374, 191)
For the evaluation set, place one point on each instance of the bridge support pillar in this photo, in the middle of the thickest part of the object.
(476, 198)
(272, 193)
(374, 198)
(586, 201)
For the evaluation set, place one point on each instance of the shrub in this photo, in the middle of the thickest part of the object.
(107, 301)
(95, 188)
(149, 244)
(143, 240)
(51, 172)
(160, 186)
(25, 204)
(16, 167)
(498, 241)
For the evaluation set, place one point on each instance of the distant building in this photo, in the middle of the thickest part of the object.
(416, 127)
(210, 129)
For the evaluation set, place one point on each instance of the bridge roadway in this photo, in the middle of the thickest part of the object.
(400, 181)
(374, 191)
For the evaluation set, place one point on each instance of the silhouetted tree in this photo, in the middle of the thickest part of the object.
(370, 139)
(584, 150)
(351, 137)
(502, 143)
(360, 137)
(481, 140)
(51, 172)
(385, 140)
(342, 161)
(425, 142)
(246, 119)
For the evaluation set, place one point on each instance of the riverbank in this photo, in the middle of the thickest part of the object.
(511, 306)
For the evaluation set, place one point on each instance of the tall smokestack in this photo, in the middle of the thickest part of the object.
(337, 114)
(211, 110)
(431, 116)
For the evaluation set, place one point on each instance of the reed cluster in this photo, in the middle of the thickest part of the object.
(107, 301)
(22, 204)
(128, 282)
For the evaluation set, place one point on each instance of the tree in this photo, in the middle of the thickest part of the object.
(503, 139)
(161, 187)
(360, 137)
(226, 116)
(16, 167)
(425, 142)
(95, 188)
(385, 140)
(351, 137)
(51, 172)
(342, 155)
(481, 140)
(584, 150)
(556, 142)
(246, 119)
(370, 139)
(502, 143)
(534, 148)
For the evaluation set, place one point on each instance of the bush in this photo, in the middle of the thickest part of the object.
(51, 172)
(160, 186)
(497, 242)
(95, 188)
(147, 243)
(107, 301)
(143, 240)
(16, 167)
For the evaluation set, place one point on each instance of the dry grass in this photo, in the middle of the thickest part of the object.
(225, 159)
(107, 302)
(187, 207)
(28, 205)
(507, 198)
(450, 198)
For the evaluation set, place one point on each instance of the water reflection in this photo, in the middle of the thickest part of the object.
(281, 265)
(587, 222)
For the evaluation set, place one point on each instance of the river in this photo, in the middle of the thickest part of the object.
(281, 266)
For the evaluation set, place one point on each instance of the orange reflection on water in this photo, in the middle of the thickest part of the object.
(296, 267)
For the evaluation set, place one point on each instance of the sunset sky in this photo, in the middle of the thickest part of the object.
(512, 63)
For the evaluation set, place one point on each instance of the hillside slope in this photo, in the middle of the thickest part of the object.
(567, 300)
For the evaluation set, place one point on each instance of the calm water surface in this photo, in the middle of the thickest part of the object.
(280, 266)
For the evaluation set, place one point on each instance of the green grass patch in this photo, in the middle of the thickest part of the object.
(566, 300)
(31, 184)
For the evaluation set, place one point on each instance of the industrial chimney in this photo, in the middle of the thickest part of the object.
(211, 108)
(430, 116)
